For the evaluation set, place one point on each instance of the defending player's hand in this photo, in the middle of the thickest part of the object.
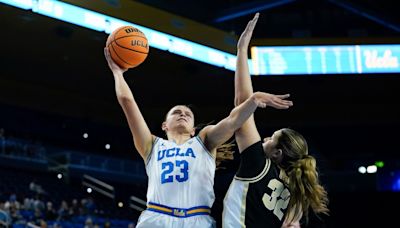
(113, 66)
(244, 40)
(276, 101)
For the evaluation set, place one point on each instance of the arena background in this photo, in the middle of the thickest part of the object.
(55, 86)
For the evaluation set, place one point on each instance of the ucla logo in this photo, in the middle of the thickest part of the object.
(178, 212)
(139, 43)
(373, 60)
(175, 152)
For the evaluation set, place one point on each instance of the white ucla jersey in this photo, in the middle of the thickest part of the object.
(180, 176)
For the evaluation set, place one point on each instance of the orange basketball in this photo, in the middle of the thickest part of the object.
(128, 46)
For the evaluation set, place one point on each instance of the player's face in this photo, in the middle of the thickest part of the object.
(270, 143)
(180, 117)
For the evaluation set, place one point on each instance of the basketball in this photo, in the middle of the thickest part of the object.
(128, 46)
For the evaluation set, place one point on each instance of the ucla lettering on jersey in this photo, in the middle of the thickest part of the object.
(176, 151)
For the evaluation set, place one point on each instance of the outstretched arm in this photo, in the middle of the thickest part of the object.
(215, 135)
(142, 136)
(243, 86)
(248, 133)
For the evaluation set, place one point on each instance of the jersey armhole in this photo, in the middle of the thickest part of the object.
(204, 147)
(151, 151)
(259, 176)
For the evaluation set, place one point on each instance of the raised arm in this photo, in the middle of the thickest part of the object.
(215, 135)
(243, 86)
(142, 136)
(248, 133)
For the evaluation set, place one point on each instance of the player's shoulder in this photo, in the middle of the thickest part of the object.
(253, 148)
(205, 130)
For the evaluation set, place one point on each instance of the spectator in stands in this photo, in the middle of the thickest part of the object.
(38, 203)
(89, 223)
(28, 203)
(90, 206)
(83, 209)
(12, 207)
(74, 208)
(38, 216)
(50, 213)
(63, 211)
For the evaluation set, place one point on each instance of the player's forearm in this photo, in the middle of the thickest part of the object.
(221, 132)
(243, 86)
(122, 89)
(241, 113)
(142, 136)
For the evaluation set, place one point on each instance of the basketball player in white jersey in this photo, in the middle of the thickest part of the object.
(277, 181)
(180, 169)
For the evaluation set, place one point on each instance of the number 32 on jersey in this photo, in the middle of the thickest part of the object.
(279, 198)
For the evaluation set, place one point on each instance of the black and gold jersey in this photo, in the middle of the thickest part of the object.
(257, 196)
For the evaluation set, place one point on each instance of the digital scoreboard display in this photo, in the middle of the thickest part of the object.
(326, 59)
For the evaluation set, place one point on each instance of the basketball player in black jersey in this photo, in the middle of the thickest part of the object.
(277, 181)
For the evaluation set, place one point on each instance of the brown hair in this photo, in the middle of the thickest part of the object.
(224, 153)
(302, 176)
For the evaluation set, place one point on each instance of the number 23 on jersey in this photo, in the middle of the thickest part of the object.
(168, 168)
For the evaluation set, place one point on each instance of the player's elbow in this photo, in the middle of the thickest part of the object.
(124, 99)
(238, 100)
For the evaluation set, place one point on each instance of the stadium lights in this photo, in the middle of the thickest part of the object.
(372, 169)
(368, 169)
(362, 169)
(268, 60)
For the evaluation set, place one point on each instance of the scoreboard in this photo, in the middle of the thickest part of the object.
(326, 59)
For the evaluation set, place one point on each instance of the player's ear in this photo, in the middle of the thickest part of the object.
(277, 155)
(193, 132)
(164, 126)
